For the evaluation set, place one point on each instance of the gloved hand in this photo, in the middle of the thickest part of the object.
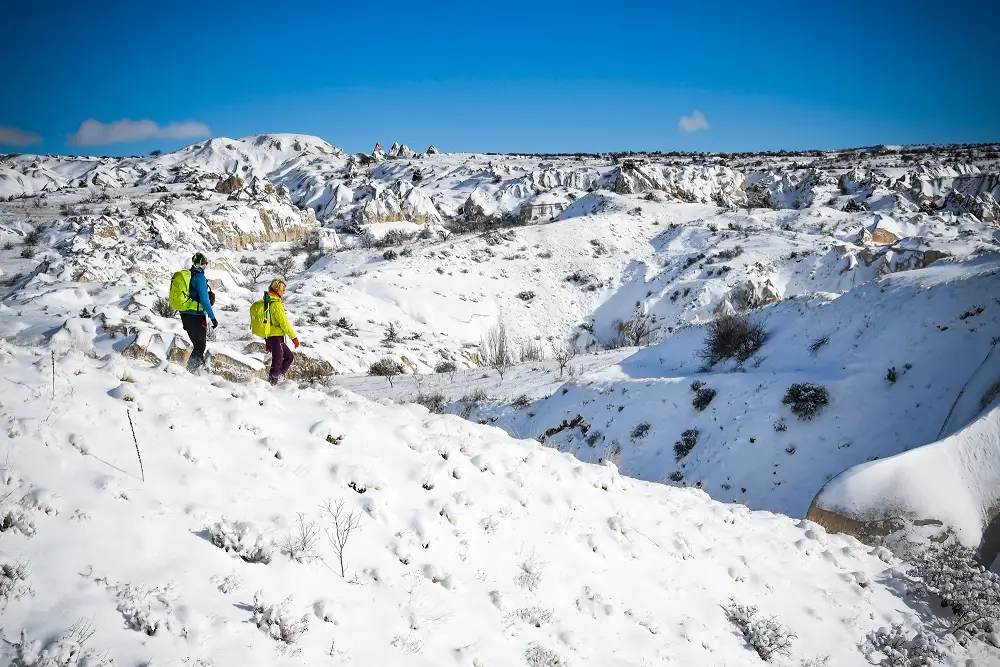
(215, 323)
(295, 341)
(267, 347)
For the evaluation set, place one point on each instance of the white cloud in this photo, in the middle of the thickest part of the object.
(13, 136)
(693, 123)
(95, 133)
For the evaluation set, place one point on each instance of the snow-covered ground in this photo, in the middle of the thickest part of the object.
(471, 548)
(874, 273)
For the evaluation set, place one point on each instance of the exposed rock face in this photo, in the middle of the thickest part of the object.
(432, 150)
(305, 368)
(704, 185)
(378, 154)
(755, 294)
(229, 185)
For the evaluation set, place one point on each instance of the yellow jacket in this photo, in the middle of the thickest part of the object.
(267, 318)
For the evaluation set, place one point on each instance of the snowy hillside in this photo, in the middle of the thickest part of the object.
(932, 327)
(465, 546)
(872, 274)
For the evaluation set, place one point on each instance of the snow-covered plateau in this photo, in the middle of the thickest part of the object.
(611, 492)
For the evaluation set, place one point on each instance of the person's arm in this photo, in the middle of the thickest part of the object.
(201, 286)
(278, 313)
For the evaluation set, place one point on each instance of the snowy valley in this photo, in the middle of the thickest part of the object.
(612, 491)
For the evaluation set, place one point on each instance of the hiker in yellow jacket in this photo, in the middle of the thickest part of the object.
(267, 320)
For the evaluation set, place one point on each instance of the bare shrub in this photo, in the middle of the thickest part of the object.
(816, 345)
(284, 265)
(302, 544)
(765, 635)
(343, 524)
(635, 331)
(564, 354)
(532, 351)
(253, 272)
(163, 308)
(496, 349)
(732, 337)
(434, 402)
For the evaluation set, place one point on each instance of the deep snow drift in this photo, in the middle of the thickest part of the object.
(470, 548)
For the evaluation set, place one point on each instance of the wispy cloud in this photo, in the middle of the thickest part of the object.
(95, 133)
(14, 136)
(693, 123)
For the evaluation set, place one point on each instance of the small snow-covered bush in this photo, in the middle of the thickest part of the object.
(891, 647)
(143, 608)
(806, 399)
(973, 592)
(13, 582)
(163, 308)
(537, 655)
(67, 650)
(277, 620)
(765, 635)
(733, 337)
(241, 539)
(14, 517)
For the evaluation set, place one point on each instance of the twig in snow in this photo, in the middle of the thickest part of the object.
(136, 441)
(344, 523)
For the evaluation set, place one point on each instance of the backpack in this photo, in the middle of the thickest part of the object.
(260, 318)
(181, 298)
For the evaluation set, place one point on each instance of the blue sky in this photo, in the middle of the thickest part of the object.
(494, 76)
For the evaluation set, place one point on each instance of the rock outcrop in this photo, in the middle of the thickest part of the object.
(229, 185)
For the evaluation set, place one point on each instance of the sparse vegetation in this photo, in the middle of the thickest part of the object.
(163, 308)
(564, 354)
(496, 349)
(387, 368)
(806, 400)
(633, 332)
(702, 395)
(532, 351)
(818, 344)
(891, 376)
(765, 635)
(733, 337)
(433, 402)
(640, 431)
(683, 447)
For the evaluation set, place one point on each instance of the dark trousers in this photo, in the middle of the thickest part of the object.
(196, 327)
(281, 357)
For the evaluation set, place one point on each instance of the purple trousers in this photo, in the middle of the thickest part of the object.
(281, 357)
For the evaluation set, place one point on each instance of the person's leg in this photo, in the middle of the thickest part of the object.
(289, 357)
(197, 331)
(276, 344)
